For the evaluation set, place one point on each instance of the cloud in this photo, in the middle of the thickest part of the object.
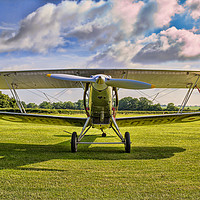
(165, 11)
(125, 14)
(171, 45)
(93, 24)
(116, 32)
(116, 24)
(6, 28)
(35, 32)
(194, 8)
(188, 41)
(145, 21)
(44, 28)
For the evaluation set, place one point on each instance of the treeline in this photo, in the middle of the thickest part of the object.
(57, 105)
(126, 103)
(7, 102)
(143, 104)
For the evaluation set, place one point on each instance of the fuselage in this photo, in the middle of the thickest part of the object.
(100, 105)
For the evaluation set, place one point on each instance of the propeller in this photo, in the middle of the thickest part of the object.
(67, 77)
(103, 79)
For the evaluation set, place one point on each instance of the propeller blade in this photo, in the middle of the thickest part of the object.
(128, 84)
(71, 77)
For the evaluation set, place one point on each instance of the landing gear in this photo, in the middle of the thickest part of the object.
(127, 142)
(74, 142)
(77, 140)
(103, 134)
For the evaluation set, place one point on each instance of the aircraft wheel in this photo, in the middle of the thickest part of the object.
(103, 134)
(127, 142)
(74, 142)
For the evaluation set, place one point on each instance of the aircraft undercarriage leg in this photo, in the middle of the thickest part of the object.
(125, 140)
(76, 140)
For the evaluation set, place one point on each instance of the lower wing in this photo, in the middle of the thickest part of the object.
(79, 122)
(42, 119)
(158, 119)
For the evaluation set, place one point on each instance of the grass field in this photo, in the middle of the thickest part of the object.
(36, 163)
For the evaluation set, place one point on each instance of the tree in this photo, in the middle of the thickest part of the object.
(128, 103)
(6, 101)
(144, 104)
(171, 107)
(79, 105)
(134, 104)
(32, 105)
(24, 104)
(57, 105)
(45, 105)
(156, 107)
(125, 103)
(68, 105)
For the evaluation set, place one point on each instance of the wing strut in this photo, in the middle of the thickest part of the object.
(188, 95)
(16, 96)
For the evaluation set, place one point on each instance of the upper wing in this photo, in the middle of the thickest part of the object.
(37, 78)
(158, 119)
(42, 119)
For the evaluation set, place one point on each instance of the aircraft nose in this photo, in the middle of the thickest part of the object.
(100, 80)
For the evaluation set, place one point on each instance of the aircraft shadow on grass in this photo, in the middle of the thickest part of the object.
(15, 156)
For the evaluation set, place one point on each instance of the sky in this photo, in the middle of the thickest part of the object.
(138, 34)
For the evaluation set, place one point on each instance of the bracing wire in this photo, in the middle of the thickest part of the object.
(155, 96)
(168, 93)
(59, 94)
(45, 94)
(144, 94)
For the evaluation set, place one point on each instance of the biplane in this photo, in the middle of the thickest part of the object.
(100, 97)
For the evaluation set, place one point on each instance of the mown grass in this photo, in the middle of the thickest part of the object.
(36, 163)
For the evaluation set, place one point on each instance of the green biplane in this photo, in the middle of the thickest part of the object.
(100, 97)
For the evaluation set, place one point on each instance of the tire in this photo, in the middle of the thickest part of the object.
(127, 142)
(103, 134)
(74, 142)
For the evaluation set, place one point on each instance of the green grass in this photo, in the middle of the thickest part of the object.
(36, 163)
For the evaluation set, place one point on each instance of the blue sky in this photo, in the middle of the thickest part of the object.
(149, 34)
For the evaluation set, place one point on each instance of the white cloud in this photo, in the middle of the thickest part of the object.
(114, 30)
(7, 28)
(166, 9)
(188, 41)
(171, 45)
(125, 13)
(93, 24)
(44, 28)
(194, 8)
